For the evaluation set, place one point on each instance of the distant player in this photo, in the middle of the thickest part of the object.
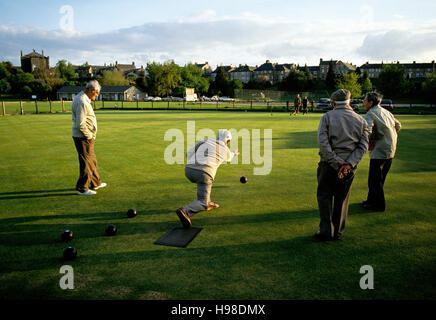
(203, 161)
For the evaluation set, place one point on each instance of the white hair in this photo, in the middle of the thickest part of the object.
(93, 85)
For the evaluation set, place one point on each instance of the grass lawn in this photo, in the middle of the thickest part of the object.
(257, 245)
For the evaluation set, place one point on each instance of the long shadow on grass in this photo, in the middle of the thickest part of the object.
(34, 191)
(27, 231)
(37, 194)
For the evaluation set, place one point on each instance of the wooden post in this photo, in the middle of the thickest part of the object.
(21, 108)
(50, 107)
(36, 106)
(63, 107)
(251, 104)
(3, 107)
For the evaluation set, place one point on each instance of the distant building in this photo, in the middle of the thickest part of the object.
(273, 72)
(205, 67)
(312, 69)
(412, 70)
(34, 60)
(341, 68)
(242, 73)
(87, 71)
(228, 69)
(110, 93)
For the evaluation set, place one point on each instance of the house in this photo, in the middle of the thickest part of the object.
(34, 60)
(228, 69)
(87, 71)
(412, 70)
(312, 69)
(341, 68)
(205, 67)
(272, 72)
(110, 93)
(242, 73)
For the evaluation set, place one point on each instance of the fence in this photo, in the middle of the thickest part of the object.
(36, 107)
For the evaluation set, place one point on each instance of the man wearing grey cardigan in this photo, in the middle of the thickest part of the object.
(343, 141)
(204, 158)
(84, 131)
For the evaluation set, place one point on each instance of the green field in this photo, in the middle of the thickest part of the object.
(257, 245)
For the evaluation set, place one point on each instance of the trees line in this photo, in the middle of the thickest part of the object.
(169, 79)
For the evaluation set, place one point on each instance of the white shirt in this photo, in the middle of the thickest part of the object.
(207, 155)
(84, 120)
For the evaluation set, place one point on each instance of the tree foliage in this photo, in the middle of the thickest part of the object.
(391, 81)
(162, 79)
(350, 81)
(330, 79)
(112, 78)
(66, 70)
(297, 81)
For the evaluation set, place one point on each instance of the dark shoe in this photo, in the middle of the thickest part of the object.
(318, 236)
(370, 207)
(338, 237)
(184, 219)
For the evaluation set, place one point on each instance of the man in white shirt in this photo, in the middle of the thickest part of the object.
(84, 132)
(203, 161)
(383, 128)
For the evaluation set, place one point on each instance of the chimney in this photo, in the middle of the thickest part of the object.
(21, 52)
(42, 53)
(320, 60)
(414, 62)
(105, 64)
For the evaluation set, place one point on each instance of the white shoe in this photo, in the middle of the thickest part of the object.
(86, 193)
(103, 184)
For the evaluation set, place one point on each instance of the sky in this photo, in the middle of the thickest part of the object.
(220, 32)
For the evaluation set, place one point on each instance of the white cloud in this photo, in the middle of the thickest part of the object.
(247, 39)
(400, 45)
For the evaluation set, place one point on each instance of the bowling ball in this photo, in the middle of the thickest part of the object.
(111, 230)
(131, 213)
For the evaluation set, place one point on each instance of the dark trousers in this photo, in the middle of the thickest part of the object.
(333, 195)
(378, 170)
(87, 163)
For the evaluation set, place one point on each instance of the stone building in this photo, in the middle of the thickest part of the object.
(341, 68)
(242, 73)
(412, 70)
(34, 60)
